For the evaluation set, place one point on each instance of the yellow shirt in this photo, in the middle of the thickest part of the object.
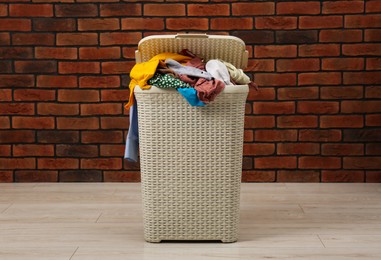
(142, 72)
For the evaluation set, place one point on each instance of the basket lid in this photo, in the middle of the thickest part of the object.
(224, 47)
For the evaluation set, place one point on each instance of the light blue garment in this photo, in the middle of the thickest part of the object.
(132, 141)
(190, 94)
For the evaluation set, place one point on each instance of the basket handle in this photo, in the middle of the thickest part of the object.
(191, 35)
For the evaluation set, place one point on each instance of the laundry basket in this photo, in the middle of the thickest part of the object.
(191, 157)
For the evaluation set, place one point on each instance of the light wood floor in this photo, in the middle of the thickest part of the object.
(90, 221)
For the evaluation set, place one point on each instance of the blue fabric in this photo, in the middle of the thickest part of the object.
(132, 142)
(190, 94)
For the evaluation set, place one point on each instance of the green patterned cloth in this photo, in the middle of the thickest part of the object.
(167, 81)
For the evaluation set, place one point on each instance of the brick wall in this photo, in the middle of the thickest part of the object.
(64, 76)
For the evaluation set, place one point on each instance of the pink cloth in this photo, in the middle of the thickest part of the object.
(207, 90)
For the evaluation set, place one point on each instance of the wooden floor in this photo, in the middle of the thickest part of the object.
(90, 221)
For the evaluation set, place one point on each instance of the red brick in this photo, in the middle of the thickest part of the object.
(342, 149)
(101, 109)
(275, 79)
(17, 108)
(255, 36)
(276, 162)
(340, 36)
(267, 51)
(76, 10)
(128, 52)
(17, 163)
(260, 65)
(3, 10)
(5, 95)
(56, 81)
(362, 21)
(17, 136)
(117, 67)
(258, 149)
(317, 107)
(342, 64)
(142, 23)
(57, 163)
(319, 135)
(121, 176)
(208, 10)
(120, 9)
(102, 163)
(372, 35)
(5, 38)
(33, 95)
(261, 94)
(36, 176)
(362, 77)
(275, 135)
(317, 50)
(78, 95)
(4, 122)
(242, 9)
(373, 6)
(112, 150)
(58, 137)
(104, 136)
(342, 176)
(55, 53)
(77, 123)
(373, 120)
(231, 23)
(274, 107)
(164, 10)
(371, 176)
(99, 82)
(21, 25)
(95, 53)
(341, 121)
(319, 78)
(368, 106)
(317, 162)
(275, 22)
(297, 65)
(362, 162)
(33, 122)
(248, 135)
(28, 10)
(70, 39)
(114, 95)
(373, 92)
(343, 7)
(362, 49)
(45, 39)
(16, 53)
(258, 176)
(57, 109)
(121, 38)
(35, 66)
(6, 176)
(373, 64)
(187, 23)
(5, 150)
(298, 93)
(80, 176)
(33, 150)
(297, 148)
(101, 24)
(81, 150)
(259, 122)
(341, 92)
(293, 7)
(78, 67)
(297, 121)
(373, 149)
(54, 25)
(319, 22)
(298, 176)
(114, 122)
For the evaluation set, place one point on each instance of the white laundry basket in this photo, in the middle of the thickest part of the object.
(191, 157)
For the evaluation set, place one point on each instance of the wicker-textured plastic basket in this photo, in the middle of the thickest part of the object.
(191, 157)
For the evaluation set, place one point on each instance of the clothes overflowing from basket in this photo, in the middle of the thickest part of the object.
(199, 82)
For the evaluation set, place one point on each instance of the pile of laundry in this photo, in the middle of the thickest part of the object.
(198, 82)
